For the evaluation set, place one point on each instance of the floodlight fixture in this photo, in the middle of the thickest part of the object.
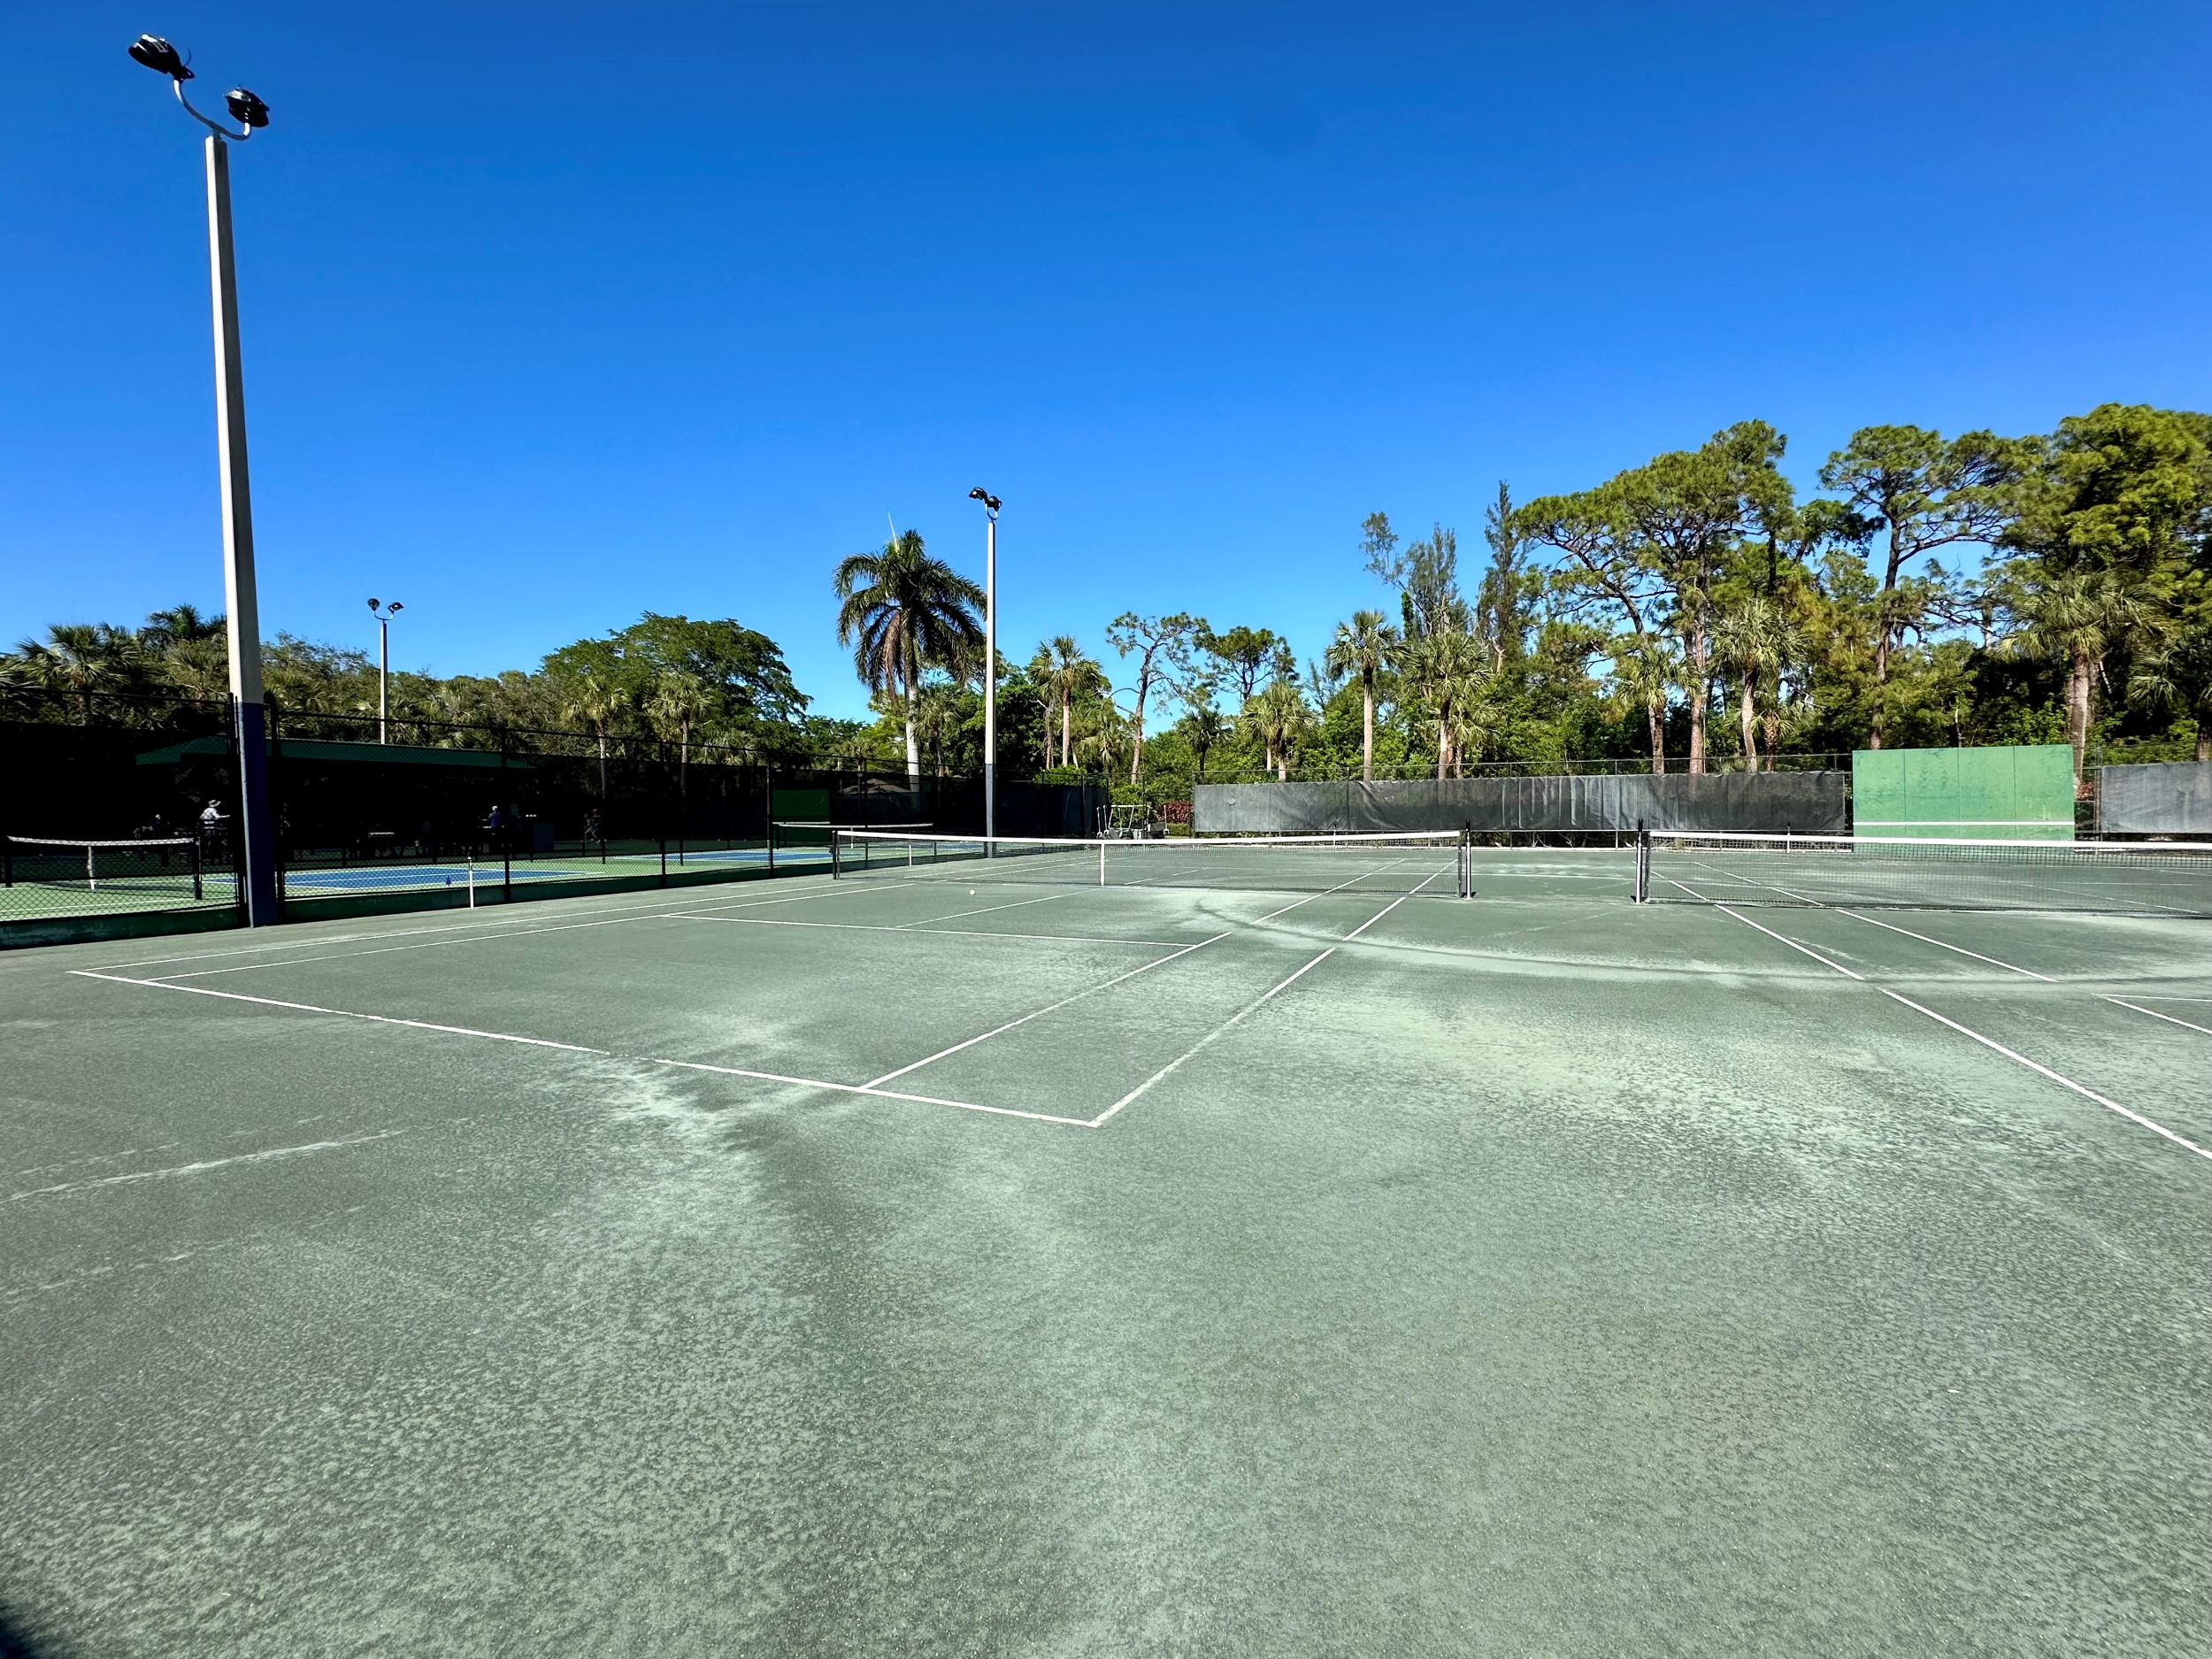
(244, 106)
(989, 501)
(158, 54)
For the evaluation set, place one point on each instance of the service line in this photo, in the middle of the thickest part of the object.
(1990, 1043)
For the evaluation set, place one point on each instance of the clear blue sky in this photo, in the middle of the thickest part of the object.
(555, 314)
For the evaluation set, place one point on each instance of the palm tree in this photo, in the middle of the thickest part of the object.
(1065, 676)
(1276, 715)
(2078, 618)
(180, 624)
(904, 614)
(1204, 728)
(1102, 734)
(1754, 640)
(680, 702)
(1362, 651)
(936, 719)
(1642, 676)
(85, 659)
(2178, 678)
(1443, 669)
(1475, 720)
(596, 705)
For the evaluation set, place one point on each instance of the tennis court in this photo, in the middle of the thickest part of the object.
(963, 1256)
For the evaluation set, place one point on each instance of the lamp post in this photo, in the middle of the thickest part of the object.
(990, 659)
(384, 665)
(255, 826)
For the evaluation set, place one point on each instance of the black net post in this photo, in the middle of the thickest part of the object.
(1643, 863)
(192, 851)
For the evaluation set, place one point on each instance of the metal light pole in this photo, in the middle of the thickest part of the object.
(990, 659)
(384, 665)
(255, 826)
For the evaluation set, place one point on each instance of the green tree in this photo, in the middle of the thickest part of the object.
(1660, 539)
(1755, 642)
(903, 613)
(1921, 491)
(597, 704)
(1065, 674)
(2177, 679)
(680, 702)
(1277, 718)
(2077, 620)
(1203, 727)
(1162, 645)
(1243, 654)
(1361, 651)
(1505, 603)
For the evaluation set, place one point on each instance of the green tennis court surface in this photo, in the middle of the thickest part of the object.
(961, 1265)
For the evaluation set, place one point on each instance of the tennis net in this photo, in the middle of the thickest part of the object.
(2110, 878)
(795, 834)
(1429, 862)
(163, 867)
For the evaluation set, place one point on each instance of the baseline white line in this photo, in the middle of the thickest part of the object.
(209, 1163)
(1926, 939)
(2155, 1014)
(342, 1013)
(1049, 1008)
(883, 1093)
(1990, 1043)
(432, 944)
(505, 927)
(881, 927)
(1173, 1064)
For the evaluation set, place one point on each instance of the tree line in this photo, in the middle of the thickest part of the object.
(1690, 612)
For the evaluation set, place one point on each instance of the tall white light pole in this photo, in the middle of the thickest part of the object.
(990, 657)
(384, 665)
(255, 826)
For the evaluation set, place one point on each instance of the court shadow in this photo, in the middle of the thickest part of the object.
(16, 1644)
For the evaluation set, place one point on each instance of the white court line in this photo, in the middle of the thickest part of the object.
(1173, 1064)
(207, 1164)
(342, 1013)
(883, 1093)
(1929, 939)
(385, 950)
(913, 930)
(1119, 979)
(507, 926)
(1265, 996)
(2155, 1014)
(987, 909)
(1987, 1042)
(1041, 1012)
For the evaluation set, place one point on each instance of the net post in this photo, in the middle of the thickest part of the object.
(663, 858)
(837, 852)
(1101, 861)
(193, 853)
(1467, 860)
(7, 860)
(1643, 863)
(768, 819)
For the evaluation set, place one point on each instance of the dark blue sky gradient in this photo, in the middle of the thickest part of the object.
(555, 315)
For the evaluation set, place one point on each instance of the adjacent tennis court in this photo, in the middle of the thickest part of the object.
(992, 1254)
